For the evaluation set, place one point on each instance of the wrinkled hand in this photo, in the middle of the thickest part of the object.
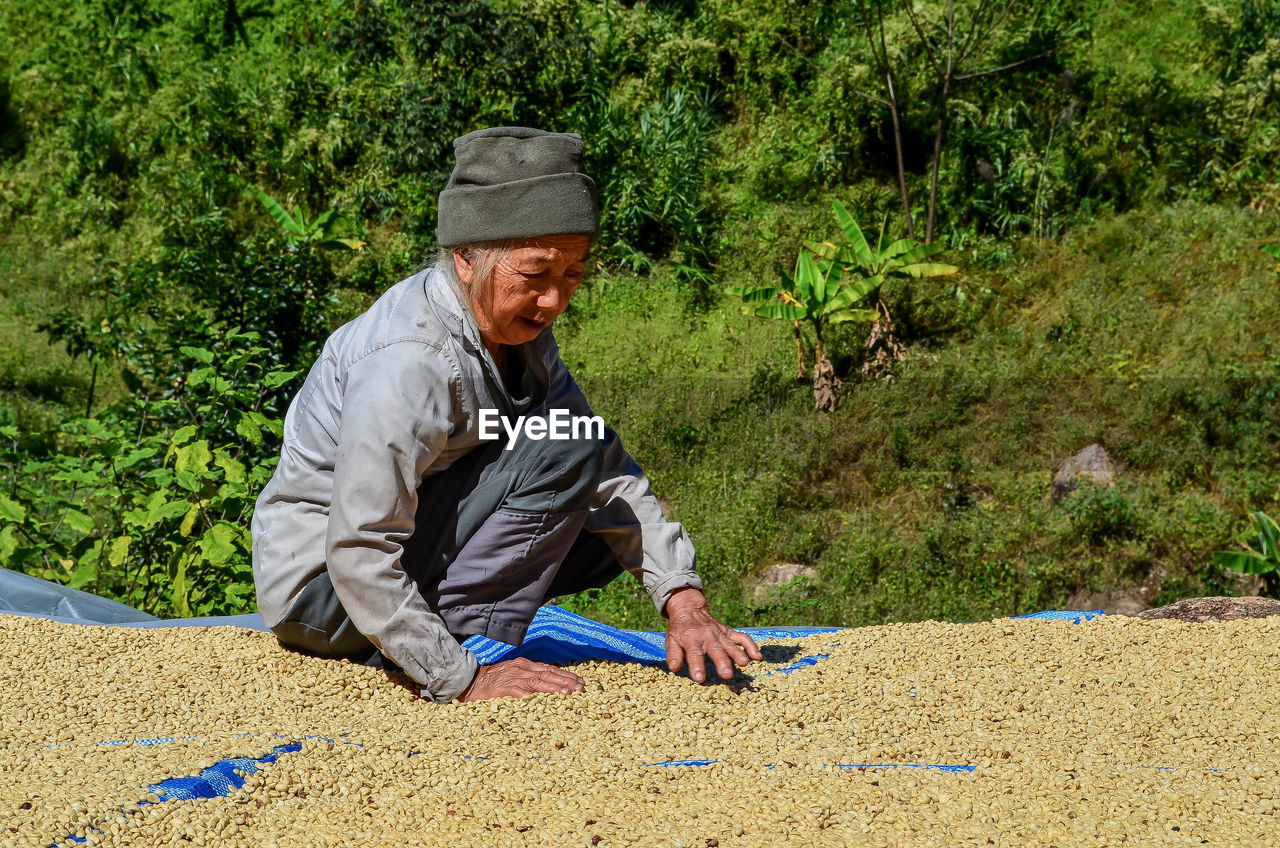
(695, 635)
(518, 678)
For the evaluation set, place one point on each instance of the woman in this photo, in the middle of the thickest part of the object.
(396, 526)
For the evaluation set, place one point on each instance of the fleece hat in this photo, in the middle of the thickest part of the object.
(515, 183)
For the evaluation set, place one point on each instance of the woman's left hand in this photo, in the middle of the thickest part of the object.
(694, 635)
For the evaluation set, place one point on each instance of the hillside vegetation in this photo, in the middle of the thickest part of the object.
(1106, 179)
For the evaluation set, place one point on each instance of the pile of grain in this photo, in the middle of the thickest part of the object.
(1116, 730)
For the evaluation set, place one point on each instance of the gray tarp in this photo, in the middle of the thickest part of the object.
(21, 594)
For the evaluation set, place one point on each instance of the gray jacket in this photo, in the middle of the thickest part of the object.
(393, 398)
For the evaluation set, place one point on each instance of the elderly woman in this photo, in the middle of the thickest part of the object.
(401, 519)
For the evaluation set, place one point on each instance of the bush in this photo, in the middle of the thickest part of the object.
(130, 506)
(1101, 512)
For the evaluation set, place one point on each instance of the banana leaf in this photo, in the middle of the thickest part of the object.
(917, 252)
(283, 218)
(754, 293)
(778, 310)
(843, 316)
(853, 235)
(1246, 561)
(927, 269)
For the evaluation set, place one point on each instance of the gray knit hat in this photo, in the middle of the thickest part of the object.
(514, 183)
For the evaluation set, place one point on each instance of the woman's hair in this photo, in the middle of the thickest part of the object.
(484, 258)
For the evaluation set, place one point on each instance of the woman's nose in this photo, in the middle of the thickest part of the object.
(551, 299)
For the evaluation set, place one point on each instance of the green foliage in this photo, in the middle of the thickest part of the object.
(875, 267)
(130, 506)
(810, 295)
(1101, 512)
(650, 172)
(135, 136)
(1261, 557)
(318, 232)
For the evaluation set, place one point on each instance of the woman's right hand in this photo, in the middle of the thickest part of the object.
(518, 678)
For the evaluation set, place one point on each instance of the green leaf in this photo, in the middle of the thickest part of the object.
(842, 316)
(8, 544)
(1246, 561)
(853, 235)
(198, 353)
(189, 520)
(825, 249)
(274, 426)
(283, 218)
(182, 434)
(906, 245)
(218, 545)
(917, 252)
(233, 469)
(864, 287)
(780, 310)
(136, 456)
(118, 550)
(186, 480)
(273, 379)
(751, 294)
(200, 376)
(180, 590)
(83, 575)
(927, 269)
(248, 430)
(79, 521)
(11, 510)
(1268, 536)
(160, 509)
(807, 277)
(1273, 249)
(322, 221)
(194, 457)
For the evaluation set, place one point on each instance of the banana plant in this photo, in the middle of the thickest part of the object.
(899, 259)
(317, 232)
(817, 295)
(1262, 557)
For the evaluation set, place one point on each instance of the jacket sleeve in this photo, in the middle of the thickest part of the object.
(625, 511)
(397, 412)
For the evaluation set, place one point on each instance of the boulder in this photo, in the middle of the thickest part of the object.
(1215, 609)
(773, 578)
(1091, 463)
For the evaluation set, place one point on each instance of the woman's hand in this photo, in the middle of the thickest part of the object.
(518, 678)
(694, 634)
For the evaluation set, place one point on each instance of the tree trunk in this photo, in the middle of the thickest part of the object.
(883, 348)
(825, 382)
(800, 375)
(937, 157)
(902, 171)
(893, 112)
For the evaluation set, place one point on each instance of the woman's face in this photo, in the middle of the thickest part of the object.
(531, 287)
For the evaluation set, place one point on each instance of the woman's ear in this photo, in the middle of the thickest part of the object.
(465, 267)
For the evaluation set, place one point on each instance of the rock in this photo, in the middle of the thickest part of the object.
(1128, 602)
(773, 578)
(1091, 463)
(1215, 609)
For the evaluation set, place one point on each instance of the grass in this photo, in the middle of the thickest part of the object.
(1152, 332)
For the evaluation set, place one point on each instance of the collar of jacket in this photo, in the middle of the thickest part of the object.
(446, 303)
